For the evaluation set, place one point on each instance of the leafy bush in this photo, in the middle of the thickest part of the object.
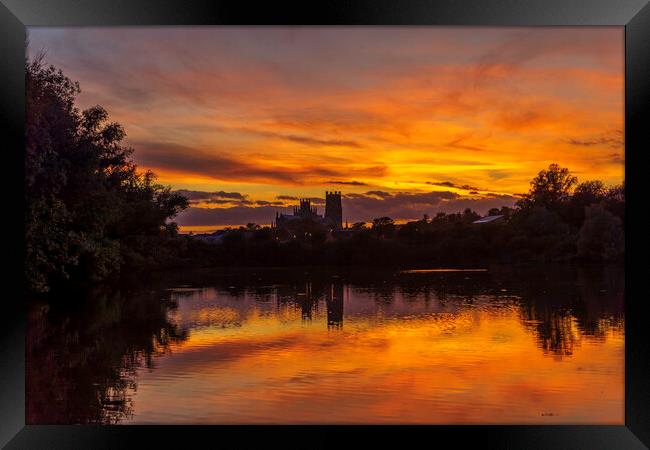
(88, 208)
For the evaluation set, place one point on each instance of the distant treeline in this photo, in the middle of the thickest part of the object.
(91, 215)
(557, 220)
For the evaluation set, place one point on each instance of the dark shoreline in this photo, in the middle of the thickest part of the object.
(201, 275)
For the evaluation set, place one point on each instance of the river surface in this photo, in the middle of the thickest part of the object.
(300, 346)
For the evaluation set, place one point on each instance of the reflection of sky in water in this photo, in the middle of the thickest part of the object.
(290, 354)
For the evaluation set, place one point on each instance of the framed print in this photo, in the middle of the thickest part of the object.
(394, 220)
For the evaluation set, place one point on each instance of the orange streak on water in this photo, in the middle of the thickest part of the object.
(472, 366)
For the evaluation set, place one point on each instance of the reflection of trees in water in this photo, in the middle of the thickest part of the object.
(557, 334)
(603, 294)
(81, 359)
(563, 304)
(559, 304)
(413, 288)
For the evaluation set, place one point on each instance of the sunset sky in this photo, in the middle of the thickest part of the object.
(403, 120)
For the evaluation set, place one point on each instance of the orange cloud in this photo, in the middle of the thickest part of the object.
(288, 111)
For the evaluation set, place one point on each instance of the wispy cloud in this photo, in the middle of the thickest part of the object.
(275, 114)
(612, 139)
(216, 165)
(466, 187)
(202, 195)
(348, 183)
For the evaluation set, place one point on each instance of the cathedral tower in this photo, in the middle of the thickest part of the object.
(333, 209)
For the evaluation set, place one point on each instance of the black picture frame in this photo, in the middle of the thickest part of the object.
(634, 15)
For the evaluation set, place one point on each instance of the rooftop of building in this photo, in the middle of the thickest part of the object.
(488, 219)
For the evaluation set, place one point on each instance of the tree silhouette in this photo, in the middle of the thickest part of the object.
(89, 211)
(550, 187)
(383, 226)
(600, 236)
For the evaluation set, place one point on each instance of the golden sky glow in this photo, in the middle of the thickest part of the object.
(427, 118)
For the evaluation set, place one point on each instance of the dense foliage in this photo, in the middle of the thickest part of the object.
(89, 211)
(558, 220)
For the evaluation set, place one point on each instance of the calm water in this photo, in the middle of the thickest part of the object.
(315, 346)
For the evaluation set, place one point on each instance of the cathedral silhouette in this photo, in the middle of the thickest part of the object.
(333, 218)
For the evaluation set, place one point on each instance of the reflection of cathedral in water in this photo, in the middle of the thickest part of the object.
(335, 305)
(309, 299)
